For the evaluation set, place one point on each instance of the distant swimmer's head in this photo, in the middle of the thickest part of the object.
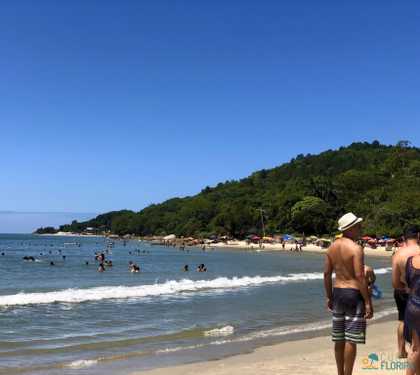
(412, 232)
(350, 225)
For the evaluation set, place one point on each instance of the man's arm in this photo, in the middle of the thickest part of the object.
(370, 275)
(396, 273)
(328, 271)
(359, 271)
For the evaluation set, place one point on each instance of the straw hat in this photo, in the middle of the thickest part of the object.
(347, 221)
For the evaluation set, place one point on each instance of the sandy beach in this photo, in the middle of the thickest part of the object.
(69, 234)
(311, 356)
(242, 245)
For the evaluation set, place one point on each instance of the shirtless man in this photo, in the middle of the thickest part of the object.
(349, 300)
(399, 261)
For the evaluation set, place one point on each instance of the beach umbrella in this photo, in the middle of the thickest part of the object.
(287, 237)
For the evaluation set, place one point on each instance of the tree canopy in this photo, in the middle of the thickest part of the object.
(378, 182)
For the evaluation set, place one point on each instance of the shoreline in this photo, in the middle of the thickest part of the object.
(67, 234)
(241, 245)
(311, 355)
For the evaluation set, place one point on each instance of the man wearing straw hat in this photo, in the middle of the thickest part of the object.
(349, 299)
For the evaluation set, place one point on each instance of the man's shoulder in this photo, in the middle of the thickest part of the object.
(348, 244)
(345, 246)
(406, 252)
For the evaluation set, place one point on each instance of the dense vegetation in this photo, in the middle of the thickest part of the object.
(46, 230)
(380, 183)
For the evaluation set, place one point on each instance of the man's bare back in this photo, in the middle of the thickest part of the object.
(346, 258)
(399, 261)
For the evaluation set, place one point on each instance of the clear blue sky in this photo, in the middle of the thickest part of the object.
(117, 104)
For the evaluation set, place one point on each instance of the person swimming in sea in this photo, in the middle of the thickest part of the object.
(135, 268)
(186, 268)
(202, 268)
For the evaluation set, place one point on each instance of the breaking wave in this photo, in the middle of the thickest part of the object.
(171, 287)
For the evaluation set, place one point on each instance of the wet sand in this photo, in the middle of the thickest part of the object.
(311, 356)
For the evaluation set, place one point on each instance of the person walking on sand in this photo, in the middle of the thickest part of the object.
(401, 292)
(349, 299)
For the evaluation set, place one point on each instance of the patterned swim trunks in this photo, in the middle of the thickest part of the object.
(349, 323)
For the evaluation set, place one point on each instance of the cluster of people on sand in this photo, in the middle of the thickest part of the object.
(298, 247)
(349, 298)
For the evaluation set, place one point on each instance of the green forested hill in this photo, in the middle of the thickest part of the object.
(380, 183)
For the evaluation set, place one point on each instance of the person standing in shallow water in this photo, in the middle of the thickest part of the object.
(349, 300)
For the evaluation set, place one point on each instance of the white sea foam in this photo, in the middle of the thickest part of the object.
(167, 288)
(171, 287)
(82, 363)
(220, 332)
(382, 271)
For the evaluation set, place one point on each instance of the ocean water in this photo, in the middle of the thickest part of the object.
(70, 319)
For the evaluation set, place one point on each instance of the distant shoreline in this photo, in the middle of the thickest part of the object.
(241, 245)
(67, 234)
